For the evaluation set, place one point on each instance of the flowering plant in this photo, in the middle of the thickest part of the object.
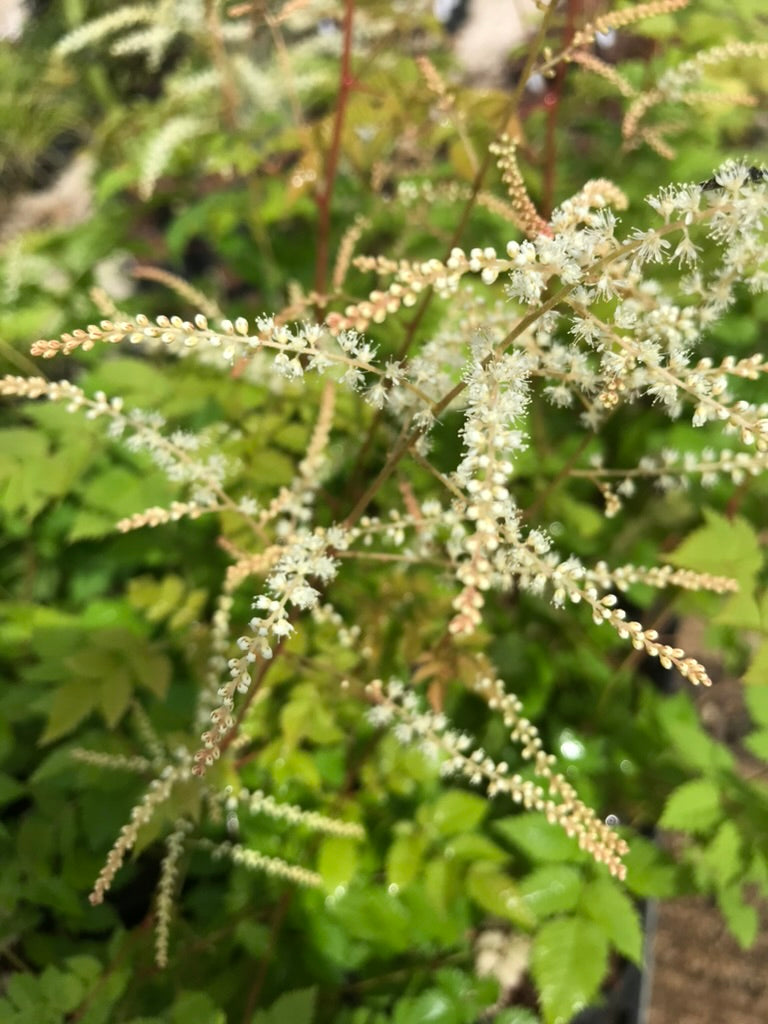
(453, 507)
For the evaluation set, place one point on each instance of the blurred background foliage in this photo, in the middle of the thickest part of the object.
(114, 161)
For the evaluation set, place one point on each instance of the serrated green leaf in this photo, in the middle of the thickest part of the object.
(757, 874)
(71, 703)
(757, 743)
(609, 906)
(89, 525)
(86, 967)
(649, 873)
(552, 889)
(756, 699)
(499, 894)
(306, 717)
(442, 886)
(537, 838)
(569, 958)
(296, 1007)
(741, 918)
(61, 990)
(23, 991)
(404, 858)
(740, 610)
(149, 667)
(377, 917)
(455, 811)
(130, 378)
(337, 861)
(196, 1006)
(115, 695)
(157, 598)
(722, 857)
(757, 673)
(694, 748)
(475, 847)
(692, 807)
(430, 1007)
(10, 789)
(724, 547)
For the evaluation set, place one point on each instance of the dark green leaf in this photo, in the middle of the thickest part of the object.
(568, 961)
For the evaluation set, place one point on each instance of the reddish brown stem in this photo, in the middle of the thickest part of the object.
(323, 198)
(552, 103)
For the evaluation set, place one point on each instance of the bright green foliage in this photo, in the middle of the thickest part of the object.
(692, 807)
(297, 1007)
(208, 152)
(569, 960)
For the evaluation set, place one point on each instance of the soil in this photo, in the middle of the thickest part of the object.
(698, 972)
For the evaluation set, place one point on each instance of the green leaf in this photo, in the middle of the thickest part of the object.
(756, 698)
(306, 717)
(10, 789)
(377, 917)
(443, 886)
(292, 1008)
(115, 695)
(551, 890)
(71, 703)
(742, 919)
(497, 893)
(568, 962)
(692, 807)
(455, 811)
(694, 748)
(132, 379)
(89, 525)
(63, 991)
(724, 547)
(722, 857)
(609, 906)
(196, 1006)
(649, 872)
(537, 838)
(23, 991)
(337, 861)
(740, 610)
(757, 743)
(757, 673)
(150, 668)
(475, 847)
(404, 858)
(431, 1007)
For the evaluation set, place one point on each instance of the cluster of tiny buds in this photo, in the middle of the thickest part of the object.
(623, 576)
(572, 814)
(258, 802)
(159, 516)
(112, 762)
(165, 890)
(158, 793)
(255, 861)
(399, 707)
(646, 639)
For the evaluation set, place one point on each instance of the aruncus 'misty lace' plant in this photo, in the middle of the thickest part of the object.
(639, 347)
(577, 315)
